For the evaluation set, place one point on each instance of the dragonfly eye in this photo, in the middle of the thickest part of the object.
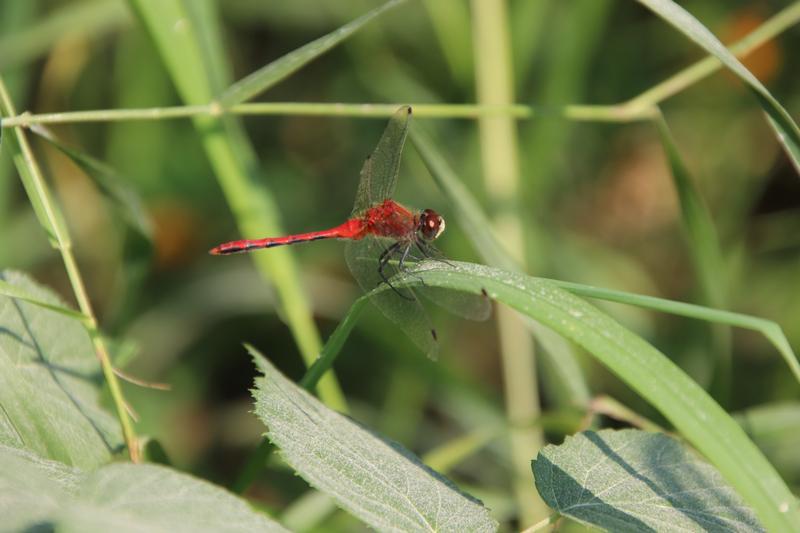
(431, 225)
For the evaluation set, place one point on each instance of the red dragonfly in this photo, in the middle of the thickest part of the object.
(383, 237)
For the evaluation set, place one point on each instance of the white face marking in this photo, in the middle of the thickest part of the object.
(441, 228)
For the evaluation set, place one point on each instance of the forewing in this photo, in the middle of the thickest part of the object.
(400, 306)
(379, 173)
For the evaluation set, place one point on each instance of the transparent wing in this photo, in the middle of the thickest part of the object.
(470, 306)
(401, 306)
(379, 173)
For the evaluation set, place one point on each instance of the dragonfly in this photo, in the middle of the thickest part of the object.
(384, 238)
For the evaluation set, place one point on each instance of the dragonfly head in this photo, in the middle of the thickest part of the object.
(431, 225)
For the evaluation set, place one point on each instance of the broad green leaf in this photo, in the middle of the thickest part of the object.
(268, 75)
(631, 480)
(40, 494)
(49, 381)
(378, 481)
(785, 129)
(647, 371)
(113, 186)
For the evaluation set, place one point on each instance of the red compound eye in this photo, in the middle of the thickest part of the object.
(431, 224)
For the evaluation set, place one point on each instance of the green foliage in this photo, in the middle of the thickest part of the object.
(378, 481)
(49, 381)
(635, 481)
(590, 208)
(37, 493)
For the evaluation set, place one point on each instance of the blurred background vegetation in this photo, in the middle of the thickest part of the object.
(597, 201)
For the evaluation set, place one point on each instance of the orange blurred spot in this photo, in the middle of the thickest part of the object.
(175, 227)
(765, 61)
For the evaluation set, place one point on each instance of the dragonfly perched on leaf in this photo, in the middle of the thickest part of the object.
(384, 239)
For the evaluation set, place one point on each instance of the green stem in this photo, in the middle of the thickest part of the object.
(638, 108)
(584, 113)
(538, 526)
(500, 158)
(57, 229)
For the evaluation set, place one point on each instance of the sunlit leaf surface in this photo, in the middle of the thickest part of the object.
(47, 495)
(49, 382)
(378, 481)
(631, 480)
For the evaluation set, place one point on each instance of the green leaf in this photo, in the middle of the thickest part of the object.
(786, 130)
(631, 480)
(647, 371)
(268, 75)
(378, 481)
(113, 186)
(49, 378)
(40, 494)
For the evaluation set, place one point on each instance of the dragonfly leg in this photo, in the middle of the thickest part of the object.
(402, 265)
(383, 260)
(430, 253)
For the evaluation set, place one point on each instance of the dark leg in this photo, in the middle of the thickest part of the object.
(383, 260)
(431, 253)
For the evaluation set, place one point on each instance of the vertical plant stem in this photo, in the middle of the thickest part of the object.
(501, 174)
(50, 217)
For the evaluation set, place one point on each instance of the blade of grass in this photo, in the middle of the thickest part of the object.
(706, 254)
(642, 367)
(786, 130)
(450, 22)
(472, 218)
(51, 219)
(268, 75)
(113, 187)
(181, 42)
(771, 330)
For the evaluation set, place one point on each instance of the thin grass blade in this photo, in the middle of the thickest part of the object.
(268, 75)
(771, 330)
(111, 184)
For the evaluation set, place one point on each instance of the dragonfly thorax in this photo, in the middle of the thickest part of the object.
(431, 225)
